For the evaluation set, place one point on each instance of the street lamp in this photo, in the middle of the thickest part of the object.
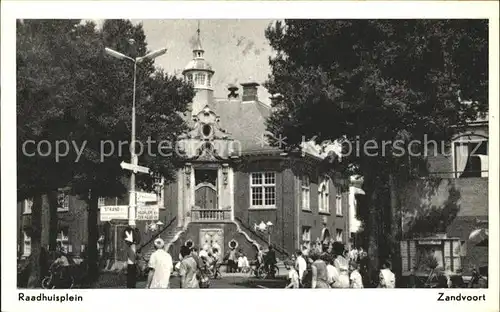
(265, 227)
(133, 156)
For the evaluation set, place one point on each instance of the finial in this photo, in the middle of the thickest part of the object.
(198, 30)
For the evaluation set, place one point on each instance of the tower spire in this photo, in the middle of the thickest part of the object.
(198, 48)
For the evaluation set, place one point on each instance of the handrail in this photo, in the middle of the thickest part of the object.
(279, 249)
(156, 235)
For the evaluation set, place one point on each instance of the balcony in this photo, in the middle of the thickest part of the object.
(211, 215)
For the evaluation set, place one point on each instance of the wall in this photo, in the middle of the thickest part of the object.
(466, 203)
(283, 232)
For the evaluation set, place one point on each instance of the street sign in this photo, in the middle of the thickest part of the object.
(131, 235)
(146, 197)
(134, 168)
(148, 213)
(109, 213)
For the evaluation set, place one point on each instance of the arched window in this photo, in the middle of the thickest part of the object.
(323, 195)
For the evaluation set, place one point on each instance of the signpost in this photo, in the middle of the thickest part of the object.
(144, 197)
(109, 213)
(134, 168)
(148, 213)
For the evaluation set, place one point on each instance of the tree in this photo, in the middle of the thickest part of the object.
(377, 81)
(96, 109)
(38, 76)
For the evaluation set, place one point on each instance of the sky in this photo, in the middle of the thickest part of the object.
(237, 49)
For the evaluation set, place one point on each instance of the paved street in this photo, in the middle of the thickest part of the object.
(227, 281)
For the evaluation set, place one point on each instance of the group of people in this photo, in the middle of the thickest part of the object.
(333, 267)
(193, 266)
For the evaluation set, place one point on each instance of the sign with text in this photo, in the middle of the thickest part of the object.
(148, 213)
(134, 168)
(109, 213)
(144, 197)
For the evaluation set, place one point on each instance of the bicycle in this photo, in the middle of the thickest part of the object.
(54, 280)
(263, 272)
(213, 271)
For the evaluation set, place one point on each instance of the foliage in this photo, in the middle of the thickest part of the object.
(380, 80)
(69, 90)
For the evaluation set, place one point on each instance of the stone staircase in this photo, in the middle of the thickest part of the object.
(168, 237)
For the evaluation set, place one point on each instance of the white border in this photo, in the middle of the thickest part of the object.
(272, 300)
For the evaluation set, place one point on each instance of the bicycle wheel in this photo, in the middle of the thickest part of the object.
(47, 283)
(261, 273)
(276, 270)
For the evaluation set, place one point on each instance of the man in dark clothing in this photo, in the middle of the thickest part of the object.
(270, 260)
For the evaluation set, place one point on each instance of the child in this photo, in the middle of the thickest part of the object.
(242, 263)
(293, 277)
(356, 280)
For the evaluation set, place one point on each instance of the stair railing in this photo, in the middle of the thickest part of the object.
(248, 228)
(156, 235)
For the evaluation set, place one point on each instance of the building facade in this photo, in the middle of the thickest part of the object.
(232, 189)
(456, 189)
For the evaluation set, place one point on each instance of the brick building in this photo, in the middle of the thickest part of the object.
(458, 184)
(231, 188)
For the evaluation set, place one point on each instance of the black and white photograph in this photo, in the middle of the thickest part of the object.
(252, 153)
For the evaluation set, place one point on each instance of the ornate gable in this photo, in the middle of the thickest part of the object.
(207, 141)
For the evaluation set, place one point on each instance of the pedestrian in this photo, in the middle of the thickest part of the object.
(232, 260)
(243, 264)
(270, 261)
(160, 266)
(356, 279)
(131, 262)
(342, 264)
(332, 273)
(364, 268)
(319, 271)
(300, 265)
(387, 279)
(293, 276)
(188, 269)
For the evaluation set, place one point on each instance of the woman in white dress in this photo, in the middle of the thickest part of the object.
(342, 265)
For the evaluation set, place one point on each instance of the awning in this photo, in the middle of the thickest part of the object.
(478, 236)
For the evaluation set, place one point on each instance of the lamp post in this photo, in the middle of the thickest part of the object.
(265, 227)
(133, 156)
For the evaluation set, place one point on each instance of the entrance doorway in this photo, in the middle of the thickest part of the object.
(206, 189)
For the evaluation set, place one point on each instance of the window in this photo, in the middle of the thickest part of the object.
(28, 204)
(338, 235)
(306, 234)
(101, 202)
(199, 79)
(306, 192)
(338, 202)
(63, 240)
(209, 77)
(470, 159)
(263, 190)
(190, 78)
(26, 245)
(63, 201)
(323, 200)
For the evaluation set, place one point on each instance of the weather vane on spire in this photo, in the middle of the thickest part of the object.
(198, 30)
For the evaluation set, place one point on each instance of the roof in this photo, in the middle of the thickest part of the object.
(245, 123)
(198, 64)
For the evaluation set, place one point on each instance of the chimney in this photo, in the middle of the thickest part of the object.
(233, 94)
(250, 91)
